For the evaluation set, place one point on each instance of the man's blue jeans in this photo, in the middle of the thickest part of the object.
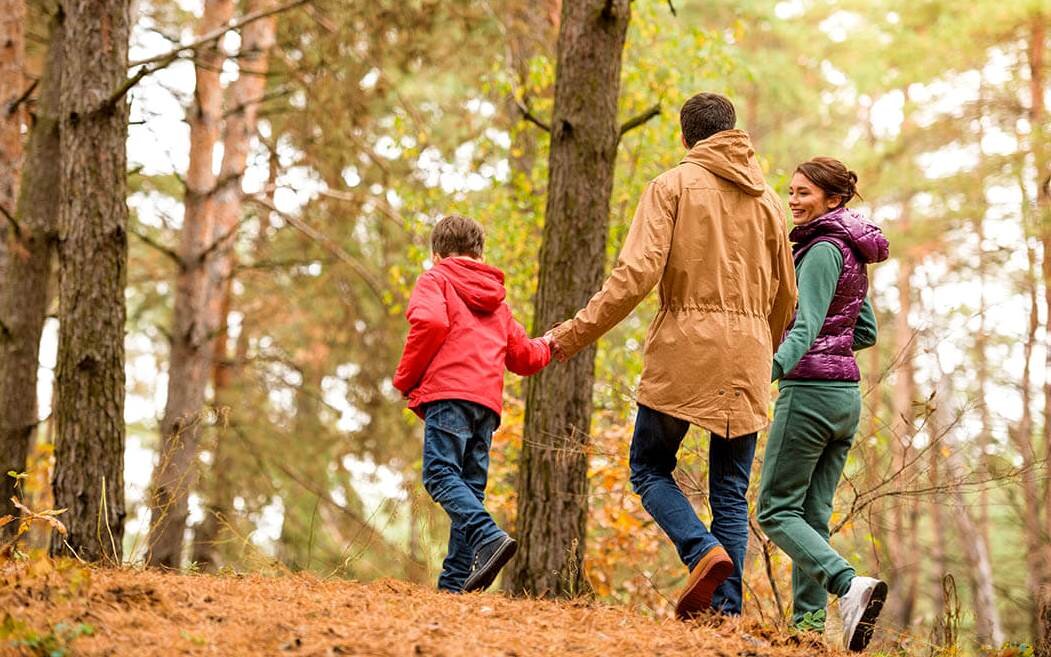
(653, 456)
(456, 439)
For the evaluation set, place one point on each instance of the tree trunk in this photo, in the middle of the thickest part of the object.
(988, 628)
(192, 329)
(92, 255)
(1042, 164)
(26, 274)
(939, 560)
(300, 528)
(243, 104)
(553, 486)
(12, 79)
(218, 491)
(899, 544)
(225, 377)
(1022, 437)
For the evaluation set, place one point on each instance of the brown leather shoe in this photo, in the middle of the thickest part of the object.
(711, 571)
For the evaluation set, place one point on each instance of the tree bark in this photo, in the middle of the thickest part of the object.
(300, 528)
(193, 329)
(243, 99)
(92, 254)
(553, 486)
(989, 629)
(218, 490)
(1022, 437)
(1042, 164)
(12, 79)
(26, 273)
(903, 556)
(244, 96)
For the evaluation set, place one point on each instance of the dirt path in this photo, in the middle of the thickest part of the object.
(66, 609)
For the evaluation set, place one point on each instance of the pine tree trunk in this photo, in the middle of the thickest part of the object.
(553, 486)
(26, 274)
(899, 544)
(218, 488)
(226, 380)
(193, 329)
(1042, 164)
(12, 79)
(988, 627)
(974, 530)
(242, 109)
(92, 255)
(1022, 437)
(300, 529)
(935, 510)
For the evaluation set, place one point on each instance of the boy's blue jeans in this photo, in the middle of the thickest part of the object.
(456, 439)
(653, 456)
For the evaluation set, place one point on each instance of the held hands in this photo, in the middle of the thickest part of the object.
(556, 351)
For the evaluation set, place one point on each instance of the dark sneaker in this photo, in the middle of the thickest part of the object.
(488, 561)
(711, 571)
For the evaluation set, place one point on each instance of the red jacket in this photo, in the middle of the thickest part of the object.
(462, 336)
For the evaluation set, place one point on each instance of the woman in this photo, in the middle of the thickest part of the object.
(819, 406)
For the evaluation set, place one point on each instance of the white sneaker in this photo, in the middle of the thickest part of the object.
(859, 609)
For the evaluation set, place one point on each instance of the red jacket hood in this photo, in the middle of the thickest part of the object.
(481, 286)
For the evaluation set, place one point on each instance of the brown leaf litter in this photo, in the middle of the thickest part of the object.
(147, 612)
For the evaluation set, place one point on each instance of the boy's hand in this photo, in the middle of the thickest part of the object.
(556, 350)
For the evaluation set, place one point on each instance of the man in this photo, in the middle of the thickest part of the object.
(713, 234)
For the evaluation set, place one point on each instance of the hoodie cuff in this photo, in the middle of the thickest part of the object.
(776, 372)
(562, 335)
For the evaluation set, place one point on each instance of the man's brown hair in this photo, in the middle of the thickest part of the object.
(456, 234)
(704, 115)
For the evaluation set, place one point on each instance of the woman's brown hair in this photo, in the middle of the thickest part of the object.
(832, 177)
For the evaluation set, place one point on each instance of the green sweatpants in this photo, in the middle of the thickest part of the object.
(813, 429)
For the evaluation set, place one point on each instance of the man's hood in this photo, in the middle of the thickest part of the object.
(729, 154)
(481, 286)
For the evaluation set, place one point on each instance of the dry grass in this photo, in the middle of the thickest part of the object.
(136, 612)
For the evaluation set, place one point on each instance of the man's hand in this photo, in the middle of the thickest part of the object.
(556, 350)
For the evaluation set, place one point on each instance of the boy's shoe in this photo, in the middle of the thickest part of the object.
(859, 609)
(711, 571)
(488, 560)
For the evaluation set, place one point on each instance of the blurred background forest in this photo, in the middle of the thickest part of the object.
(282, 181)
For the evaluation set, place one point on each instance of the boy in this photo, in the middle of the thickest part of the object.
(461, 338)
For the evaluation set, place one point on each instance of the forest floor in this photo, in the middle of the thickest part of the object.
(65, 609)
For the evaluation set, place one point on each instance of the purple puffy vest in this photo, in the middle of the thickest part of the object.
(860, 242)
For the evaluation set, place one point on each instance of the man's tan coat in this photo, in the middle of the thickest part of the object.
(713, 234)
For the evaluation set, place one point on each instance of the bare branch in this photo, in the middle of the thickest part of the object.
(672, 7)
(13, 107)
(157, 62)
(373, 284)
(639, 120)
(160, 248)
(218, 33)
(279, 93)
(11, 219)
(528, 115)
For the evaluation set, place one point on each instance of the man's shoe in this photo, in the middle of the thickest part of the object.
(488, 560)
(711, 571)
(859, 609)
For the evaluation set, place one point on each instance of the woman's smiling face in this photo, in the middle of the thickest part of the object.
(807, 201)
